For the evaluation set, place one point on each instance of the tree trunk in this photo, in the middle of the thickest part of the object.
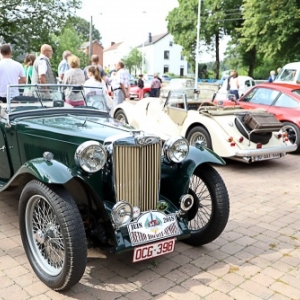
(252, 61)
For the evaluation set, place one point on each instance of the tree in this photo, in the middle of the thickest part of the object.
(82, 27)
(133, 60)
(27, 24)
(67, 40)
(217, 18)
(272, 29)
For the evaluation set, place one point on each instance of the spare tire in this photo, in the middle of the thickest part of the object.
(255, 137)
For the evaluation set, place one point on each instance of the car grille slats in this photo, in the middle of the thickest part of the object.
(137, 174)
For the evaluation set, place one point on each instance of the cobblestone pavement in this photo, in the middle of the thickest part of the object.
(256, 257)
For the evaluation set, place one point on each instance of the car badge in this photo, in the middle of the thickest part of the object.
(162, 205)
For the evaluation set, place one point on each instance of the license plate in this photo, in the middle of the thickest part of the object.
(269, 156)
(153, 226)
(152, 250)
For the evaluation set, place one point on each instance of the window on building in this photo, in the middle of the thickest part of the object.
(181, 57)
(167, 55)
(171, 43)
(166, 69)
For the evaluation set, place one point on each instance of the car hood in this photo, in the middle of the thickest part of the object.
(71, 127)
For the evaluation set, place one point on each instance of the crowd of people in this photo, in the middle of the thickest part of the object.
(38, 70)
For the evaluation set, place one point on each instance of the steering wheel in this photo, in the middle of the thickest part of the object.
(207, 103)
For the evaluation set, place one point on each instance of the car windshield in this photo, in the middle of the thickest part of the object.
(27, 97)
(179, 83)
(192, 95)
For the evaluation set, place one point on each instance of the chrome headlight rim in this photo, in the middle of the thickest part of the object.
(171, 146)
(82, 161)
(117, 210)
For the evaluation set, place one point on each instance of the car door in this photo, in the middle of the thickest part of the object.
(5, 169)
(173, 114)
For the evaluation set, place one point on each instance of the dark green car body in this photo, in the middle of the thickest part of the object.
(64, 208)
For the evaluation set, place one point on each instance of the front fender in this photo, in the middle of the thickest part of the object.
(47, 171)
(175, 178)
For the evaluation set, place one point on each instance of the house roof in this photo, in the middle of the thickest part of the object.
(155, 39)
(87, 44)
(113, 47)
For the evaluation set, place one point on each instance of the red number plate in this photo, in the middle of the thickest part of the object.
(153, 250)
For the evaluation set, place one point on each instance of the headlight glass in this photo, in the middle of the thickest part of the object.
(122, 213)
(176, 149)
(90, 156)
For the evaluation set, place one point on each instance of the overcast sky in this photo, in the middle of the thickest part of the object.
(130, 20)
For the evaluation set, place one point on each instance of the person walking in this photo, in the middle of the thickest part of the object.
(42, 71)
(234, 84)
(63, 65)
(141, 86)
(11, 72)
(74, 76)
(155, 86)
(272, 76)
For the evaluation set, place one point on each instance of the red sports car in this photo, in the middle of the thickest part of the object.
(280, 99)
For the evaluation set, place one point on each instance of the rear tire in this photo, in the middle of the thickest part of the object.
(146, 95)
(53, 235)
(210, 212)
(199, 134)
(293, 134)
(120, 116)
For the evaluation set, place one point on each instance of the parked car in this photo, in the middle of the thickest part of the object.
(290, 73)
(280, 99)
(175, 84)
(134, 90)
(223, 130)
(165, 77)
(84, 180)
(245, 82)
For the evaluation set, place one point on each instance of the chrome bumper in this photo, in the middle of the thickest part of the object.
(263, 151)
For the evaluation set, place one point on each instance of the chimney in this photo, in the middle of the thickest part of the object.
(112, 43)
(150, 38)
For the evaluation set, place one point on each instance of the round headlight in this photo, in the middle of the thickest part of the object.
(176, 149)
(122, 213)
(90, 156)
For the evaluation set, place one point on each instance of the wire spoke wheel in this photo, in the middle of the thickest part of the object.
(44, 235)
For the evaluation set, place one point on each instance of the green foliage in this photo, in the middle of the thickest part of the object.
(67, 40)
(133, 61)
(27, 24)
(82, 27)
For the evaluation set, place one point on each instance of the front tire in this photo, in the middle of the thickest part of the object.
(210, 212)
(53, 235)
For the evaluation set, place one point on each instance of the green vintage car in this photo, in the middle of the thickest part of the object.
(85, 180)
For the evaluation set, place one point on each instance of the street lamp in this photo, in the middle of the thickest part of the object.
(197, 45)
(143, 54)
(91, 38)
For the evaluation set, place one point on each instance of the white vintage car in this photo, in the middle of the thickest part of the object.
(225, 130)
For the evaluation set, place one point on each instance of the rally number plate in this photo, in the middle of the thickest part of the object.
(152, 250)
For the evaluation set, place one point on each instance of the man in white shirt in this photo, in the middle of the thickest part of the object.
(11, 72)
(42, 72)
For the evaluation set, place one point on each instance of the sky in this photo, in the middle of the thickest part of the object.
(130, 21)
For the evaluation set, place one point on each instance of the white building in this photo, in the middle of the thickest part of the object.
(163, 56)
(113, 54)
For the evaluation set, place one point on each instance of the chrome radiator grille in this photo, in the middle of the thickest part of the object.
(137, 174)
